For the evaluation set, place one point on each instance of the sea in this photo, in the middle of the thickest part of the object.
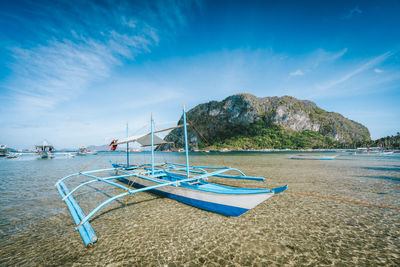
(344, 211)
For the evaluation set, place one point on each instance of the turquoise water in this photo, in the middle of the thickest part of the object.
(37, 229)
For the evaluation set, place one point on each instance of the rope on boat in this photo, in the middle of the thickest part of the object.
(205, 139)
(342, 200)
(131, 184)
(182, 140)
(164, 141)
(93, 161)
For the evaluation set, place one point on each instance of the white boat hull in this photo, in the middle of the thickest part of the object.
(226, 204)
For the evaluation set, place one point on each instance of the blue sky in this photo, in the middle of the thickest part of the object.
(74, 72)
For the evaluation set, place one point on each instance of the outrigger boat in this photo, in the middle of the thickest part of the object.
(45, 150)
(182, 182)
(313, 157)
(372, 151)
(12, 155)
(82, 151)
(3, 151)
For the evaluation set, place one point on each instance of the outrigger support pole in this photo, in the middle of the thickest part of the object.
(130, 191)
(127, 146)
(152, 144)
(80, 219)
(203, 168)
(95, 180)
(186, 142)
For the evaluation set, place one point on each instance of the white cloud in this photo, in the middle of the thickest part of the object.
(318, 58)
(48, 75)
(298, 72)
(71, 56)
(321, 56)
(367, 65)
(378, 70)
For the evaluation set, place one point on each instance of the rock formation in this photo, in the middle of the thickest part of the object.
(214, 121)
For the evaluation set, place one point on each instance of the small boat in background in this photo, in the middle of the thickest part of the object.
(12, 156)
(82, 151)
(372, 151)
(313, 157)
(3, 151)
(45, 150)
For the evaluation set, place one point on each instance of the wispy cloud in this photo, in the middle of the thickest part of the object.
(298, 72)
(356, 11)
(378, 70)
(47, 75)
(322, 56)
(316, 59)
(70, 56)
(365, 66)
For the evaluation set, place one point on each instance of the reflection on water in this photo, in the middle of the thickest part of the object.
(382, 177)
(383, 169)
(37, 229)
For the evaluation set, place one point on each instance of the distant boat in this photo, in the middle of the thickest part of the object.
(387, 153)
(372, 151)
(45, 150)
(3, 150)
(313, 157)
(12, 156)
(82, 151)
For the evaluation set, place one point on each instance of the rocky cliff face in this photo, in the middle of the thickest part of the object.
(217, 120)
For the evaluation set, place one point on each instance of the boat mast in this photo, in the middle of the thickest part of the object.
(152, 143)
(186, 142)
(127, 146)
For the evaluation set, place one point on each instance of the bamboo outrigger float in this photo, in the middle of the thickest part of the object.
(181, 182)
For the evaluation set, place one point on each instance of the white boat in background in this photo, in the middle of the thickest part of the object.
(313, 157)
(12, 155)
(372, 151)
(82, 151)
(3, 151)
(45, 150)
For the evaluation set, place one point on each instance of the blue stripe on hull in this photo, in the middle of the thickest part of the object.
(205, 205)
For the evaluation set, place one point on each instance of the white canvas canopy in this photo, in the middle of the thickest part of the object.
(144, 140)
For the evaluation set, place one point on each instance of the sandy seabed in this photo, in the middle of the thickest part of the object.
(287, 229)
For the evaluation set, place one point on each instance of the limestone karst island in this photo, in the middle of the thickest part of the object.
(244, 121)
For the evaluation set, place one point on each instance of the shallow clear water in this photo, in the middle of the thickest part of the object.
(37, 229)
